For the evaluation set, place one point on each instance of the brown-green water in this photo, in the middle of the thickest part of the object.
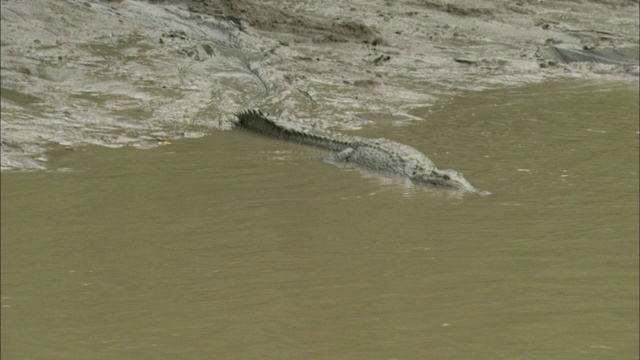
(236, 246)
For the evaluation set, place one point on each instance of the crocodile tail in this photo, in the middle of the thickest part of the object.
(257, 121)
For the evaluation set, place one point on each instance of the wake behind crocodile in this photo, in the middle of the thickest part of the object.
(378, 155)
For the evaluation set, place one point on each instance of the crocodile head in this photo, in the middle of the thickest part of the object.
(448, 178)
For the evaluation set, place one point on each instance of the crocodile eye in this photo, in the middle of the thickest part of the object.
(446, 177)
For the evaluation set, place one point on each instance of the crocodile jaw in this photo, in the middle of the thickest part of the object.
(448, 178)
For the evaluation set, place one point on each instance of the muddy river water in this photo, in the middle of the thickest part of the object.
(236, 246)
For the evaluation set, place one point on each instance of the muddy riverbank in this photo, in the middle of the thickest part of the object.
(144, 74)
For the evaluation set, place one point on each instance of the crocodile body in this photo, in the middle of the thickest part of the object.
(378, 155)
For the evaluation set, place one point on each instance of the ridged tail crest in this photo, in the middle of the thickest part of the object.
(257, 121)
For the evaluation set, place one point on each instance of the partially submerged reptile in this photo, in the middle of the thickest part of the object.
(379, 155)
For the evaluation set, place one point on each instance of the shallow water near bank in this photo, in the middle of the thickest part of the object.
(238, 246)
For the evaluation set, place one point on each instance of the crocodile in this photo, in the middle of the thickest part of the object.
(378, 155)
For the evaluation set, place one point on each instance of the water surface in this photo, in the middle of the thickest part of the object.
(236, 246)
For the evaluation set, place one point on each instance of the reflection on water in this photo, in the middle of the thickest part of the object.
(237, 246)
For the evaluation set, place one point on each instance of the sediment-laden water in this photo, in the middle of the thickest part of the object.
(237, 246)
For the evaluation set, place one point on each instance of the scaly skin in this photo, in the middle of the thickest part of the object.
(379, 155)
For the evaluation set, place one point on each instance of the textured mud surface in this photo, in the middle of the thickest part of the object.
(135, 73)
